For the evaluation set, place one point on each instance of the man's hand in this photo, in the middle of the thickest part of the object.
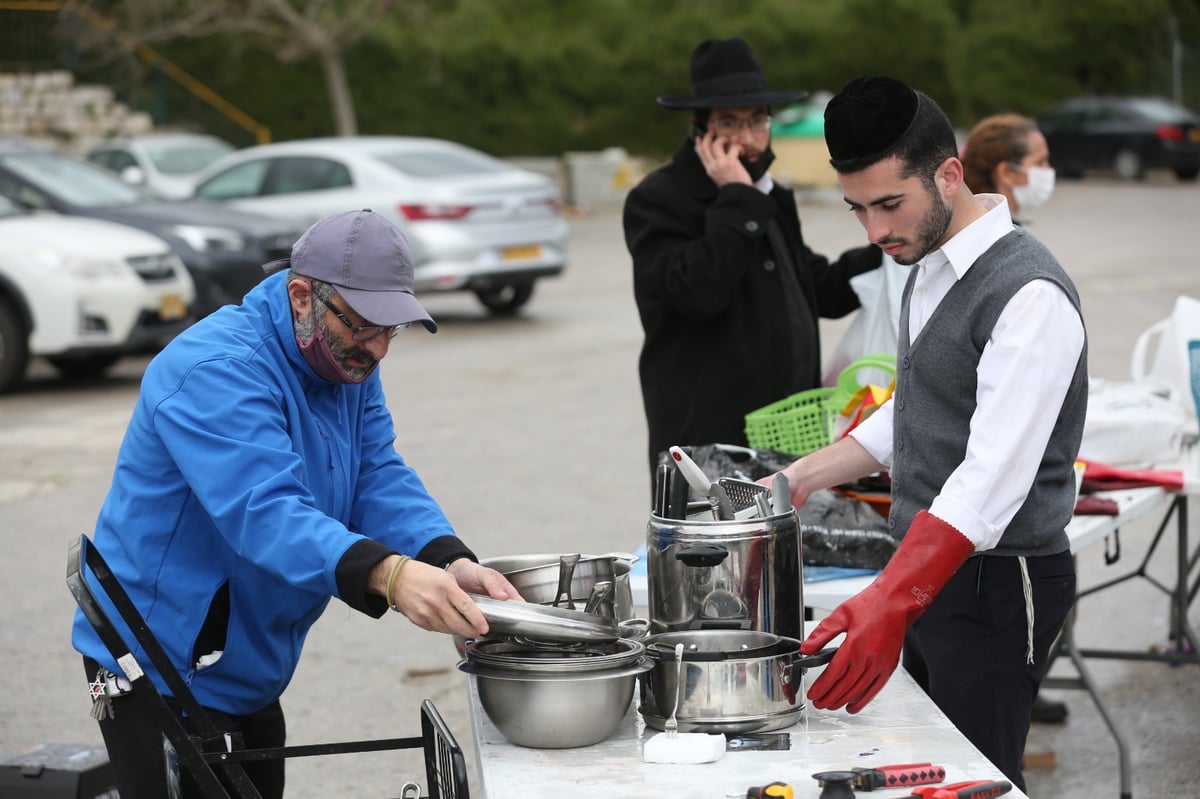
(436, 599)
(865, 660)
(476, 579)
(720, 159)
(876, 619)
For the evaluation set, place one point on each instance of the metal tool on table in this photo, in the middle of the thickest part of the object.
(898, 776)
(974, 789)
(566, 573)
(717, 496)
(774, 790)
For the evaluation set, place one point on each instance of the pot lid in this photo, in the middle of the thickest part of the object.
(707, 645)
(544, 623)
(553, 658)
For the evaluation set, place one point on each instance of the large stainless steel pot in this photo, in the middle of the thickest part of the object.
(729, 681)
(742, 574)
(536, 579)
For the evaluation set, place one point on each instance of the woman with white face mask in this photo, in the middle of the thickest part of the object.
(1006, 154)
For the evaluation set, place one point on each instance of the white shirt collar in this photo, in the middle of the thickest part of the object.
(765, 183)
(975, 239)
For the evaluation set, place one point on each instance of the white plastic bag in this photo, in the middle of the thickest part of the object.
(875, 329)
(1160, 356)
(1129, 424)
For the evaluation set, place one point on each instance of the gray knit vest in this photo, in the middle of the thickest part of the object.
(936, 381)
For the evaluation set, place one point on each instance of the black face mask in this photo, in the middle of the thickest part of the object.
(759, 167)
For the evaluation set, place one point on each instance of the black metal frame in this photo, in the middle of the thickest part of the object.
(445, 766)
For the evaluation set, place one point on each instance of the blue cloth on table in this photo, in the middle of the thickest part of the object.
(816, 574)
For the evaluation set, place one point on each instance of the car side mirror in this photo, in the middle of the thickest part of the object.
(133, 175)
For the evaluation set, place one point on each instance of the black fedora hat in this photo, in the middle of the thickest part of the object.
(726, 74)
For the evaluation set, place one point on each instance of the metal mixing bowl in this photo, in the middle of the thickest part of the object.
(556, 711)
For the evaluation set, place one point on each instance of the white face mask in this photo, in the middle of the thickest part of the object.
(1037, 190)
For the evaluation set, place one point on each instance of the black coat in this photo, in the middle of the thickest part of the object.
(717, 338)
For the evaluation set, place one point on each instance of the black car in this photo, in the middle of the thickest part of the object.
(1126, 135)
(223, 249)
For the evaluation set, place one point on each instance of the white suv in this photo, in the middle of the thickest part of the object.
(83, 292)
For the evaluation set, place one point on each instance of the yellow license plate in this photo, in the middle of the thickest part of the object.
(526, 251)
(171, 307)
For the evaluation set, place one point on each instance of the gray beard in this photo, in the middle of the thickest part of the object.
(306, 328)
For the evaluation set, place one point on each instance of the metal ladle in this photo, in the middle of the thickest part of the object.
(566, 573)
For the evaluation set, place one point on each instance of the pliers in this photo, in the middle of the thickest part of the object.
(975, 789)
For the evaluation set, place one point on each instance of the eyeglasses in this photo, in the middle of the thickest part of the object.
(732, 126)
(360, 332)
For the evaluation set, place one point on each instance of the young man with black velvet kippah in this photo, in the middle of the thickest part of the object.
(980, 436)
(727, 291)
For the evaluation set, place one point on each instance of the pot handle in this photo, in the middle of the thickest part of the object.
(806, 662)
(702, 555)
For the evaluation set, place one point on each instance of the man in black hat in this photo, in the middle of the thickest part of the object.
(728, 293)
(980, 436)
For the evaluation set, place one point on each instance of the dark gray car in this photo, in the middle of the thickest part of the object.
(223, 249)
(1126, 135)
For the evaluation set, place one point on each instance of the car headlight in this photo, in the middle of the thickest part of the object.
(203, 238)
(84, 267)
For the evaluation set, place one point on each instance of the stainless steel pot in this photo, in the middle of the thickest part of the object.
(536, 579)
(741, 575)
(729, 681)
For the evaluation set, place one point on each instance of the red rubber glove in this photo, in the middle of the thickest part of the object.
(876, 619)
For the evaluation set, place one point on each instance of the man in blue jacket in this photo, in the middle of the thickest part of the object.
(257, 479)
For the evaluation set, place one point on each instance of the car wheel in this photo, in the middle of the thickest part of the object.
(505, 300)
(14, 347)
(1187, 173)
(83, 367)
(1127, 165)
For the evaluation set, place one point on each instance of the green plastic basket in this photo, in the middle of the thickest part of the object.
(797, 425)
(804, 422)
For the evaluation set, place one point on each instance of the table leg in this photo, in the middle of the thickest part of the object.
(1183, 648)
(1066, 645)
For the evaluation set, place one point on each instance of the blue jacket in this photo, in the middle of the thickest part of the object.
(242, 481)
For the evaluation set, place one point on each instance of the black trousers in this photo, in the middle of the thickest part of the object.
(969, 650)
(135, 746)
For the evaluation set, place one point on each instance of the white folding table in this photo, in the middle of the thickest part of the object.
(901, 725)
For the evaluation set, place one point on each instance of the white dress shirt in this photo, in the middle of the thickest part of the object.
(1023, 376)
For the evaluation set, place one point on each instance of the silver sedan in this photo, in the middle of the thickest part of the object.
(474, 222)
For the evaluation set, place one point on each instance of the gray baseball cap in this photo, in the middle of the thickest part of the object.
(367, 259)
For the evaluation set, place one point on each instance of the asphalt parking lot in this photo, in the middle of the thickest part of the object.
(530, 433)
